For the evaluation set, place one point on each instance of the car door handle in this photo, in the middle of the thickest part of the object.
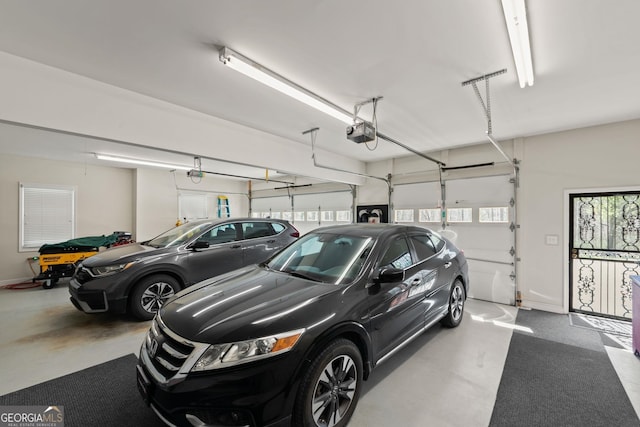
(447, 264)
(235, 246)
(416, 281)
(271, 241)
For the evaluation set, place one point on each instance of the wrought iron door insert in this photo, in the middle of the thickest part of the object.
(604, 252)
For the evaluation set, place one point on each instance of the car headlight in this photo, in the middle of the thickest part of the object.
(223, 355)
(110, 269)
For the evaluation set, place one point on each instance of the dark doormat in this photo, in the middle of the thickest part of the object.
(102, 395)
(547, 383)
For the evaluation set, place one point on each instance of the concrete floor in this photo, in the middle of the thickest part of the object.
(43, 337)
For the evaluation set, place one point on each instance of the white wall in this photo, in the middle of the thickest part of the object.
(104, 204)
(601, 157)
(143, 202)
(156, 202)
(36, 94)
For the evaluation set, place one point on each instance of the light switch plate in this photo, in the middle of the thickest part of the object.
(551, 239)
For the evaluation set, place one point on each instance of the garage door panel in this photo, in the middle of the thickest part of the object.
(491, 282)
(487, 245)
(310, 211)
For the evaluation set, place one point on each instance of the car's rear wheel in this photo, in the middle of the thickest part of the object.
(331, 387)
(150, 294)
(456, 305)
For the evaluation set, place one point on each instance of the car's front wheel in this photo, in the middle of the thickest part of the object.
(331, 387)
(150, 294)
(456, 305)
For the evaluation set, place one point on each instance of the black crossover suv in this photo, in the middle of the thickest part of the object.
(288, 342)
(139, 277)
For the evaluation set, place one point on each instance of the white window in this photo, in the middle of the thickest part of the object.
(312, 215)
(287, 215)
(276, 214)
(343, 216)
(429, 215)
(265, 214)
(47, 215)
(298, 216)
(327, 216)
(499, 214)
(459, 215)
(255, 214)
(192, 206)
(403, 215)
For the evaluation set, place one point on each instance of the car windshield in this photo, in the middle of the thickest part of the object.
(179, 235)
(324, 257)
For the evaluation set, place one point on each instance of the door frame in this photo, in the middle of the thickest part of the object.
(566, 261)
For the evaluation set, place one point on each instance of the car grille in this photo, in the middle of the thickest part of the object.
(82, 275)
(170, 356)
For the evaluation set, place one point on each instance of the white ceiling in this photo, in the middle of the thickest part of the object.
(414, 53)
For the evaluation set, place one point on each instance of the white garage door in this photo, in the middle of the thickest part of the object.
(479, 212)
(418, 204)
(309, 211)
(271, 207)
(479, 216)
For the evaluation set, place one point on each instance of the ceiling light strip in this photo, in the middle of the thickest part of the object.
(141, 162)
(515, 15)
(274, 80)
(265, 76)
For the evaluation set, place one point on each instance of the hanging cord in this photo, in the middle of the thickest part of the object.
(24, 285)
(374, 120)
(197, 166)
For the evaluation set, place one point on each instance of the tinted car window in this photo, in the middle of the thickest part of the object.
(397, 255)
(253, 230)
(438, 243)
(425, 248)
(328, 258)
(178, 235)
(221, 234)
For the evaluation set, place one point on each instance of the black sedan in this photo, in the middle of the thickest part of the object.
(288, 342)
(139, 277)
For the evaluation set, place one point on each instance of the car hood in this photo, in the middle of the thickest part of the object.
(249, 303)
(124, 253)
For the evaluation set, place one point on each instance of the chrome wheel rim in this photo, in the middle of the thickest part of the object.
(334, 391)
(155, 295)
(456, 305)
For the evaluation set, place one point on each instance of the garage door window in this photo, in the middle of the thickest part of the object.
(343, 216)
(429, 215)
(403, 215)
(327, 216)
(494, 215)
(459, 215)
(47, 215)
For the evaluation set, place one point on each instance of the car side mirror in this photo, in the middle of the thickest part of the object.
(389, 275)
(200, 244)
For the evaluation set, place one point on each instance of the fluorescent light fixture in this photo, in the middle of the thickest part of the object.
(141, 162)
(515, 15)
(265, 76)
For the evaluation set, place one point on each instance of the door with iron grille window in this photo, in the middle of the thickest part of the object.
(604, 252)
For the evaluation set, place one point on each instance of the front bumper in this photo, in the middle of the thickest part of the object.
(252, 394)
(247, 397)
(94, 300)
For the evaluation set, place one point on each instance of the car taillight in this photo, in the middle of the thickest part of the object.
(294, 233)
